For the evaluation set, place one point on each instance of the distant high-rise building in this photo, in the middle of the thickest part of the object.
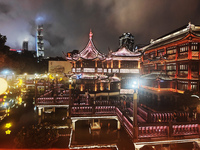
(127, 41)
(25, 45)
(39, 41)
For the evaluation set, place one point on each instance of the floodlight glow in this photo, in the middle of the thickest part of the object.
(4, 85)
(135, 84)
(5, 72)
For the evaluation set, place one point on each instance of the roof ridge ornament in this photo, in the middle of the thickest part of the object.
(90, 34)
(190, 26)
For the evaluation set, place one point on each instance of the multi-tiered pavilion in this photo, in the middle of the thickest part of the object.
(170, 64)
(95, 71)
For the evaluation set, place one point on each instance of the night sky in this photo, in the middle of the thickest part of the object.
(67, 22)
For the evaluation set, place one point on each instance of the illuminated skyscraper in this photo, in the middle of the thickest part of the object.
(39, 41)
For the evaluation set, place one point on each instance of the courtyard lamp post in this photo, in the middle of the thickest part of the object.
(135, 86)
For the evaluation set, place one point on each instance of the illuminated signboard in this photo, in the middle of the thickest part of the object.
(104, 70)
(129, 70)
(99, 69)
(115, 70)
(88, 69)
(126, 91)
(109, 70)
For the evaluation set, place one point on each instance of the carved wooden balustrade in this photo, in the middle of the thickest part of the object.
(52, 101)
(92, 110)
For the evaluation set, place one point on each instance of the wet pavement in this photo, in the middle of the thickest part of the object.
(83, 136)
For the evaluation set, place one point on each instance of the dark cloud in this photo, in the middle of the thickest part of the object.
(67, 22)
(4, 8)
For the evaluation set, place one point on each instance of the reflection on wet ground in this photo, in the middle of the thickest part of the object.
(83, 135)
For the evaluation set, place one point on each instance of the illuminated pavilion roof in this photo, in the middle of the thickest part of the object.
(89, 52)
(124, 54)
(173, 36)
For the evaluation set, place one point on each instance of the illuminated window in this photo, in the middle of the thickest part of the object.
(195, 47)
(183, 48)
(171, 66)
(194, 86)
(183, 67)
(171, 50)
(182, 85)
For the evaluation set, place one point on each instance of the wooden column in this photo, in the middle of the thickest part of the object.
(189, 51)
(95, 64)
(189, 70)
(158, 85)
(189, 85)
(111, 63)
(119, 64)
(177, 51)
(177, 67)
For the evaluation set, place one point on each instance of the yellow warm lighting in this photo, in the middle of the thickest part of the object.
(20, 82)
(19, 100)
(51, 77)
(138, 64)
(8, 125)
(95, 87)
(4, 85)
(8, 131)
(60, 79)
(119, 64)
(81, 87)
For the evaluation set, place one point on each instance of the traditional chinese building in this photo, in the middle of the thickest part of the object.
(95, 71)
(170, 64)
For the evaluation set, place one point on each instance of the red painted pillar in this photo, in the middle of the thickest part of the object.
(189, 70)
(189, 51)
(189, 85)
(176, 85)
(171, 84)
(177, 67)
(177, 51)
(189, 75)
(159, 85)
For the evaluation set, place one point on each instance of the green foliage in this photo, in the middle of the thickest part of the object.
(41, 136)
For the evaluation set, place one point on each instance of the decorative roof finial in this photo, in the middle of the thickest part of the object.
(189, 25)
(91, 34)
